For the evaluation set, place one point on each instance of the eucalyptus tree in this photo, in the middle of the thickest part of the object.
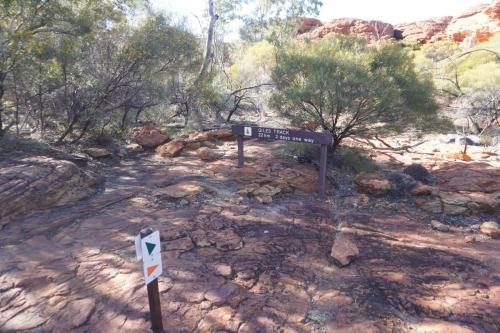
(258, 18)
(28, 31)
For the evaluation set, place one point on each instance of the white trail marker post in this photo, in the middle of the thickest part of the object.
(148, 248)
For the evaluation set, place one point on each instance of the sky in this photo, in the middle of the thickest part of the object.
(391, 11)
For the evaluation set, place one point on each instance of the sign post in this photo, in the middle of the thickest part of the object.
(147, 246)
(324, 139)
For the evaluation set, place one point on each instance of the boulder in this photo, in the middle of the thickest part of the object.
(418, 172)
(133, 147)
(343, 251)
(469, 141)
(193, 146)
(470, 239)
(465, 189)
(453, 198)
(97, 152)
(401, 183)
(491, 229)
(454, 203)
(372, 183)
(41, 183)
(432, 206)
(209, 144)
(372, 31)
(148, 136)
(471, 177)
(454, 210)
(481, 202)
(436, 225)
(222, 269)
(421, 189)
(207, 154)
(197, 137)
(170, 149)
(221, 134)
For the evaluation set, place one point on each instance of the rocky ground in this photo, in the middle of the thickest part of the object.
(244, 250)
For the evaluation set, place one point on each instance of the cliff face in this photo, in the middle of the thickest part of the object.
(370, 30)
(425, 31)
(476, 25)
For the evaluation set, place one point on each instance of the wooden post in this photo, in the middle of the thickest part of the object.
(322, 170)
(292, 135)
(155, 307)
(153, 296)
(241, 156)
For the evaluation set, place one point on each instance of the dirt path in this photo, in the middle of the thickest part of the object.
(240, 267)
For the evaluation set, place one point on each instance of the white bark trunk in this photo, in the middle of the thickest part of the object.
(210, 39)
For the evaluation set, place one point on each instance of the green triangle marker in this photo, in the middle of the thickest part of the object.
(150, 247)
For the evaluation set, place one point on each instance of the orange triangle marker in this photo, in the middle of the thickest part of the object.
(151, 269)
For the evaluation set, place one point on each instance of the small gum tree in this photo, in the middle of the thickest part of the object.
(342, 86)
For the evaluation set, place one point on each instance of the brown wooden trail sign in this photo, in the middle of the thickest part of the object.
(292, 135)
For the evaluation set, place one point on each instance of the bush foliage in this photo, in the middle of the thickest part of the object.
(346, 88)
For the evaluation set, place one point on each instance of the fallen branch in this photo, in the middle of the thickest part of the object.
(387, 146)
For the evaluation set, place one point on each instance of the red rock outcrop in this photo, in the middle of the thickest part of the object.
(476, 25)
(148, 136)
(39, 182)
(372, 31)
(307, 24)
(425, 31)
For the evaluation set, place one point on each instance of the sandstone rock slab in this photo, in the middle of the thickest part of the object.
(372, 183)
(170, 149)
(97, 152)
(40, 183)
(180, 190)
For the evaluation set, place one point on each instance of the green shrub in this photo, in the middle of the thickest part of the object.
(486, 140)
(348, 88)
(301, 151)
(354, 159)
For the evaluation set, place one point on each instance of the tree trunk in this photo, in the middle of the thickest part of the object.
(210, 40)
(84, 130)
(16, 95)
(68, 130)
(137, 115)
(124, 118)
(40, 101)
(1, 122)
(2, 90)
